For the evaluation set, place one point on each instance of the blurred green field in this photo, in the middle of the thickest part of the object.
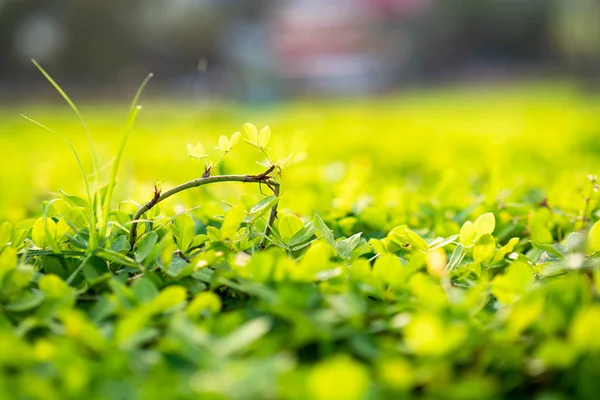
(435, 244)
(449, 146)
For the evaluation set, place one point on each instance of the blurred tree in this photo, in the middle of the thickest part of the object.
(577, 32)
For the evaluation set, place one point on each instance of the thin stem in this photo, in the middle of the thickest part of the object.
(267, 155)
(79, 268)
(159, 197)
(272, 217)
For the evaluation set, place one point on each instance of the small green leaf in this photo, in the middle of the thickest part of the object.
(119, 244)
(484, 249)
(468, 232)
(303, 235)
(345, 247)
(26, 302)
(146, 246)
(203, 302)
(224, 144)
(184, 230)
(263, 205)
(485, 224)
(387, 270)
(417, 241)
(118, 258)
(235, 139)
(5, 233)
(232, 221)
(263, 136)
(168, 299)
(54, 287)
(242, 337)
(324, 230)
(43, 232)
(457, 256)
(252, 133)
(144, 290)
(196, 151)
(166, 248)
(550, 249)
(288, 226)
(594, 238)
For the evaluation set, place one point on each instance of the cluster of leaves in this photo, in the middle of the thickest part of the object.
(196, 311)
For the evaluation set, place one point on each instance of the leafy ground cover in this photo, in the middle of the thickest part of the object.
(436, 245)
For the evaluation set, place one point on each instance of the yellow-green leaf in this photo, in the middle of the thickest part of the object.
(594, 238)
(252, 133)
(184, 230)
(264, 136)
(196, 151)
(43, 232)
(288, 226)
(168, 298)
(5, 233)
(485, 224)
(235, 139)
(224, 144)
(467, 233)
(233, 219)
(484, 249)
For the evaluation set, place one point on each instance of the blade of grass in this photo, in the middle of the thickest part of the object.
(97, 213)
(131, 117)
(74, 108)
(79, 163)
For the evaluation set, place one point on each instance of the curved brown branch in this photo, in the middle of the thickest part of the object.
(205, 180)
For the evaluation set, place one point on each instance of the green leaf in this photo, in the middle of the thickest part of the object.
(5, 233)
(146, 246)
(203, 302)
(387, 270)
(468, 233)
(232, 221)
(457, 256)
(345, 247)
(196, 151)
(44, 232)
(504, 250)
(441, 242)
(252, 133)
(288, 225)
(184, 230)
(263, 136)
(240, 339)
(54, 287)
(262, 206)
(550, 249)
(235, 139)
(417, 241)
(324, 230)
(224, 144)
(516, 280)
(303, 235)
(484, 248)
(144, 290)
(118, 258)
(594, 238)
(168, 299)
(166, 248)
(485, 224)
(26, 302)
(584, 333)
(120, 244)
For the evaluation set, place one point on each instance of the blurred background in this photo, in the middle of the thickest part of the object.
(267, 50)
(438, 94)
